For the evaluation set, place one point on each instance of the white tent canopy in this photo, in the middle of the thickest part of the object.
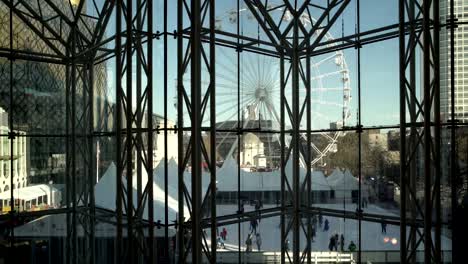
(262, 181)
(346, 182)
(105, 193)
(319, 182)
(335, 176)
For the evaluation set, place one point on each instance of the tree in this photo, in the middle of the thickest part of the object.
(347, 156)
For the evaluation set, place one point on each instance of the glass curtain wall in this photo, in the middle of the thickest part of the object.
(203, 131)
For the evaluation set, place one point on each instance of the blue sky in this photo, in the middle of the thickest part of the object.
(379, 62)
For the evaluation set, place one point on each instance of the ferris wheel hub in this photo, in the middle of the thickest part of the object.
(261, 93)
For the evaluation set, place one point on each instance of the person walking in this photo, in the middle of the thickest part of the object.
(336, 243)
(326, 225)
(254, 225)
(258, 240)
(320, 217)
(241, 210)
(342, 242)
(224, 234)
(257, 209)
(248, 243)
(220, 243)
(331, 244)
(286, 245)
(352, 246)
(384, 227)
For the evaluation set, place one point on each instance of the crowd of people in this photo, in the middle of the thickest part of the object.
(339, 241)
(254, 222)
(336, 242)
(221, 238)
(253, 235)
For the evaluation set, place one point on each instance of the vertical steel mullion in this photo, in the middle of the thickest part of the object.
(166, 176)
(358, 29)
(403, 169)
(213, 129)
(309, 155)
(131, 247)
(11, 135)
(427, 132)
(282, 162)
(91, 169)
(437, 132)
(119, 254)
(68, 155)
(413, 142)
(150, 148)
(180, 130)
(195, 63)
(139, 115)
(238, 135)
(295, 140)
(73, 145)
(83, 142)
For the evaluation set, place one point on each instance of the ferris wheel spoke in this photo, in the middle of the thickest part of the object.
(273, 81)
(273, 111)
(229, 78)
(261, 106)
(218, 85)
(269, 111)
(317, 64)
(223, 94)
(316, 149)
(226, 136)
(326, 89)
(264, 74)
(257, 65)
(326, 103)
(249, 83)
(233, 73)
(220, 114)
(231, 70)
(226, 101)
(233, 108)
(231, 104)
(318, 77)
(249, 72)
(232, 60)
(276, 90)
(323, 116)
(223, 86)
(226, 110)
(245, 64)
(251, 92)
(326, 135)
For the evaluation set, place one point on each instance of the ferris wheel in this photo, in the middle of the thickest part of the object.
(254, 98)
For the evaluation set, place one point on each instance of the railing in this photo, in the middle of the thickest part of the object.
(271, 257)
